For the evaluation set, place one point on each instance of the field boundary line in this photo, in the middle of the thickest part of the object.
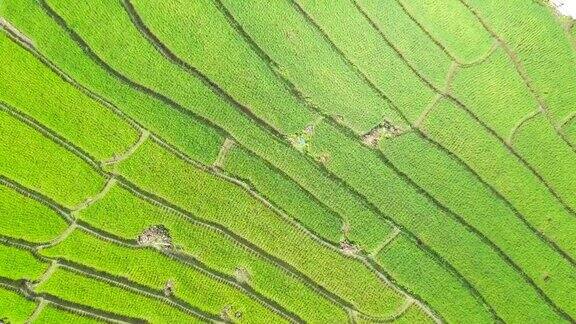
(387, 241)
(61, 211)
(138, 288)
(89, 201)
(60, 238)
(428, 251)
(484, 58)
(112, 279)
(439, 94)
(60, 140)
(419, 24)
(119, 158)
(46, 275)
(48, 133)
(8, 27)
(520, 159)
(514, 131)
(41, 304)
(543, 105)
(166, 52)
(571, 117)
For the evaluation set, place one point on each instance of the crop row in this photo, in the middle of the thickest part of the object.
(87, 257)
(559, 170)
(27, 219)
(210, 198)
(459, 33)
(491, 160)
(351, 35)
(438, 227)
(478, 206)
(172, 57)
(207, 39)
(522, 72)
(221, 253)
(109, 134)
(359, 164)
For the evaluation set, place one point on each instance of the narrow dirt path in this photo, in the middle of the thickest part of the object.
(221, 159)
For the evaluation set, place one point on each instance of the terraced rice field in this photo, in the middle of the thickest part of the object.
(322, 161)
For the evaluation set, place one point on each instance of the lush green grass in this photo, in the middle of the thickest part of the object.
(433, 226)
(557, 171)
(285, 193)
(362, 221)
(14, 308)
(431, 281)
(37, 162)
(541, 46)
(309, 61)
(199, 34)
(480, 87)
(52, 314)
(27, 219)
(19, 264)
(212, 248)
(33, 89)
(367, 50)
(183, 131)
(463, 194)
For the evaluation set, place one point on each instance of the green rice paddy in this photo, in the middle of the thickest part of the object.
(303, 161)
